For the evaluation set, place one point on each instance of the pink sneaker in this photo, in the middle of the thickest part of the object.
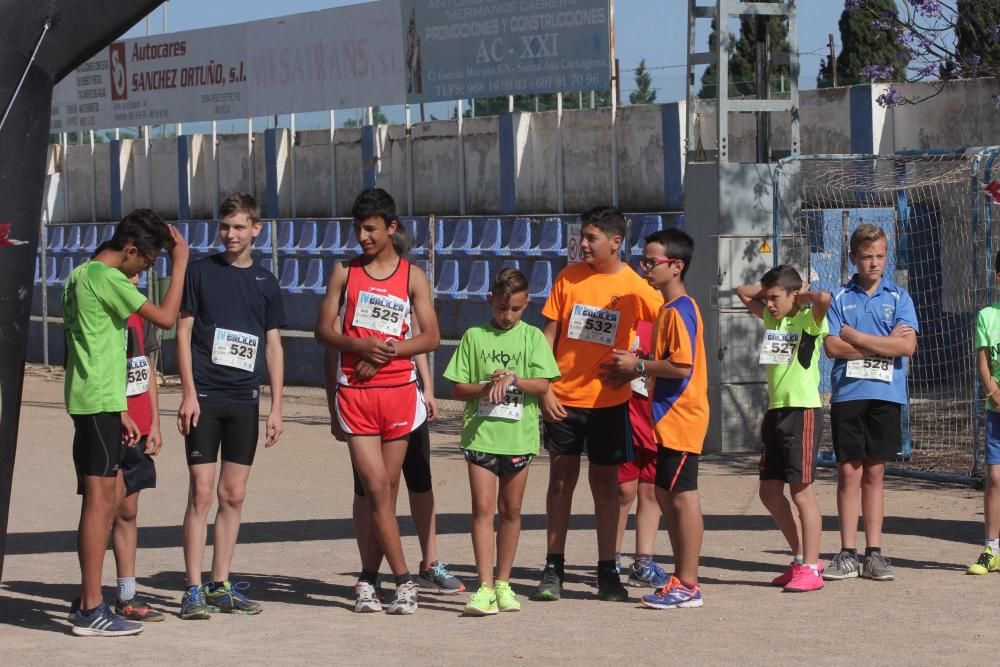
(803, 580)
(786, 576)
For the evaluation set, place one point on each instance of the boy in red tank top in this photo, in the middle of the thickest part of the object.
(378, 401)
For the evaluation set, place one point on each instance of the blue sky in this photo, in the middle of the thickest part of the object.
(652, 29)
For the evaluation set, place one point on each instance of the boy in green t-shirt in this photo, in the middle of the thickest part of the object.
(97, 301)
(500, 370)
(988, 365)
(794, 419)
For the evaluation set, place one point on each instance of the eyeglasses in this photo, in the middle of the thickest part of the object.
(649, 263)
(148, 262)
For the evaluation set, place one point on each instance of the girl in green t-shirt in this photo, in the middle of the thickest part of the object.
(500, 370)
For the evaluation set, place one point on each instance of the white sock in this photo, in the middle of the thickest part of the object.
(994, 544)
(798, 559)
(815, 568)
(126, 588)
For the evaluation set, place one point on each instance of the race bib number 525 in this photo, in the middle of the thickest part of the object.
(380, 312)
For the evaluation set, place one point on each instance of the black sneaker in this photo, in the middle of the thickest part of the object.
(550, 587)
(610, 588)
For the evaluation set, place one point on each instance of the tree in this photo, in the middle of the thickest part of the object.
(743, 57)
(378, 118)
(939, 39)
(644, 92)
(862, 44)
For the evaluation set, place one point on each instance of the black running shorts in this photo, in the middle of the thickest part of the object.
(233, 427)
(97, 444)
(866, 430)
(604, 433)
(676, 471)
(790, 439)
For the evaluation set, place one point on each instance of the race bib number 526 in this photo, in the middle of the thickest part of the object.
(595, 325)
(235, 349)
(137, 381)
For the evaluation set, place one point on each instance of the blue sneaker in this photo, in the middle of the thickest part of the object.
(193, 606)
(102, 622)
(674, 595)
(647, 574)
(437, 577)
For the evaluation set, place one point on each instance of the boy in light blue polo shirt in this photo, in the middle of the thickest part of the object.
(873, 329)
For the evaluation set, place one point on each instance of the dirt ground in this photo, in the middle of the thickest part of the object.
(297, 550)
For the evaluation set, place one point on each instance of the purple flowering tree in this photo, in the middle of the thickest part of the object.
(939, 40)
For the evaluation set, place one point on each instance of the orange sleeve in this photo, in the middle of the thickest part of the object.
(553, 308)
(676, 341)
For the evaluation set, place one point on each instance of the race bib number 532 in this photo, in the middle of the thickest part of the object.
(235, 349)
(595, 325)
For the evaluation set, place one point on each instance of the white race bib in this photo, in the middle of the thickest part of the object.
(235, 349)
(871, 368)
(380, 312)
(138, 376)
(778, 347)
(595, 325)
(511, 408)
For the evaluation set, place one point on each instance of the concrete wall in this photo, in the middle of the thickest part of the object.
(651, 145)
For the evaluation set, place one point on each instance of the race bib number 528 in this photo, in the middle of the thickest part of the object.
(871, 368)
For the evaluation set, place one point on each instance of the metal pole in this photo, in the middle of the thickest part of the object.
(762, 71)
(215, 161)
(472, 103)
(614, 116)
(274, 248)
(252, 185)
(93, 180)
(510, 104)
(461, 161)
(560, 163)
(409, 162)
(149, 166)
(333, 165)
(833, 61)
(43, 247)
(65, 176)
(291, 158)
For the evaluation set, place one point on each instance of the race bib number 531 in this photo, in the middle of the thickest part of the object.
(871, 368)
(511, 408)
(235, 349)
(595, 325)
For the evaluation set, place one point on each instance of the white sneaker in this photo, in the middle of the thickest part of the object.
(365, 600)
(406, 599)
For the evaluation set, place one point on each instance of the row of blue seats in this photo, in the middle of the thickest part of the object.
(312, 237)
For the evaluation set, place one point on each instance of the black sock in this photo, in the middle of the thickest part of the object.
(369, 577)
(216, 585)
(873, 551)
(404, 578)
(606, 567)
(558, 560)
(88, 612)
(853, 552)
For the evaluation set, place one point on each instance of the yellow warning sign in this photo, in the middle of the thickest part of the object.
(764, 247)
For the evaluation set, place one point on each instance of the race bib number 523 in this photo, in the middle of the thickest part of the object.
(235, 349)
(592, 324)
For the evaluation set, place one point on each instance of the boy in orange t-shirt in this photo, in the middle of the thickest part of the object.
(679, 401)
(593, 309)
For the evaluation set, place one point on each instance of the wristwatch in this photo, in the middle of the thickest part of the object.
(640, 368)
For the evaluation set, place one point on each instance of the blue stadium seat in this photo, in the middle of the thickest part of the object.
(201, 237)
(417, 227)
(72, 242)
(289, 274)
(351, 245)
(107, 231)
(551, 242)
(541, 280)
(331, 237)
(510, 263)
(447, 282)
(143, 280)
(263, 241)
(267, 264)
(313, 281)
(56, 237)
(160, 267)
(520, 238)
(649, 225)
(65, 268)
(490, 242)
(286, 235)
(479, 280)
(89, 242)
(50, 271)
(38, 269)
(308, 242)
(461, 240)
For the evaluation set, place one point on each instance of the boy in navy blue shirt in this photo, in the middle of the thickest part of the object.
(873, 330)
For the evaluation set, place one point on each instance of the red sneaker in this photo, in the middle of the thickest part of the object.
(786, 576)
(803, 580)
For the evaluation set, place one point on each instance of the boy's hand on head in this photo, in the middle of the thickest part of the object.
(130, 432)
(552, 409)
(275, 427)
(154, 441)
(180, 250)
